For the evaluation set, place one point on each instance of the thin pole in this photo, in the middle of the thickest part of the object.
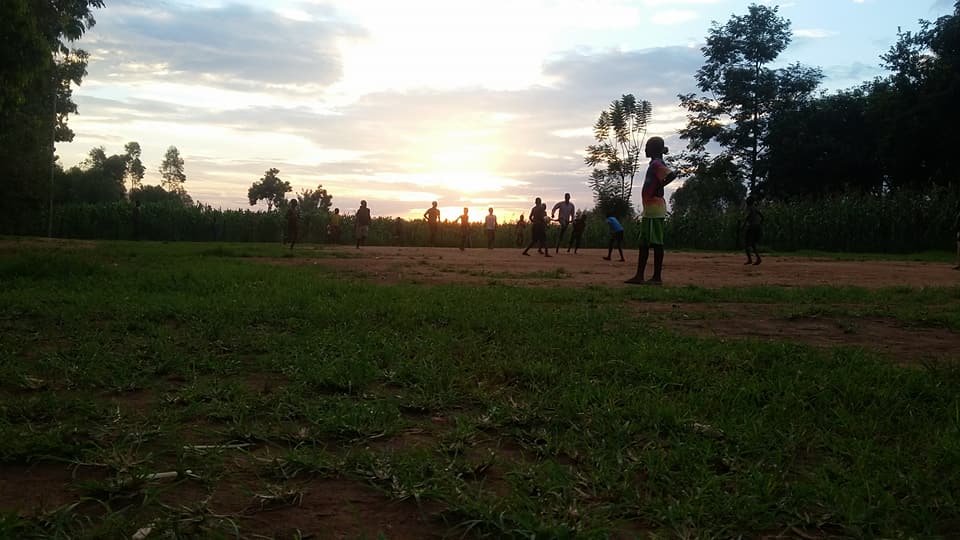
(53, 151)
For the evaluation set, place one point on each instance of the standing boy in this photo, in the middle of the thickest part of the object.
(464, 229)
(293, 223)
(363, 223)
(752, 223)
(654, 212)
(490, 227)
(521, 230)
(567, 210)
(432, 215)
(579, 225)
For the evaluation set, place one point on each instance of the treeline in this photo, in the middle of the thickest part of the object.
(904, 221)
(785, 143)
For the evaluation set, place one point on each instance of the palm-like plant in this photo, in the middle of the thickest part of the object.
(620, 131)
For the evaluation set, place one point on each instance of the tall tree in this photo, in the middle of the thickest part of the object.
(743, 92)
(172, 172)
(37, 71)
(135, 169)
(269, 188)
(620, 131)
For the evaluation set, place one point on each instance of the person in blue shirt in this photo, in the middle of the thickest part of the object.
(616, 237)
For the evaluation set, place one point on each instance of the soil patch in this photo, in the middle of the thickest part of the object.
(904, 345)
(383, 264)
(41, 487)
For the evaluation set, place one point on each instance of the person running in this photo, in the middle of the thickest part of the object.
(490, 227)
(363, 223)
(464, 229)
(398, 232)
(538, 222)
(567, 210)
(333, 229)
(616, 237)
(576, 235)
(521, 230)
(654, 212)
(752, 223)
(293, 223)
(432, 215)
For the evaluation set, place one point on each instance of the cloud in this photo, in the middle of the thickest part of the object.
(232, 46)
(813, 33)
(674, 16)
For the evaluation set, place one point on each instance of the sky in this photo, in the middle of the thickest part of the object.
(471, 103)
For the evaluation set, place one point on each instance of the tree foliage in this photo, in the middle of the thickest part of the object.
(172, 171)
(314, 200)
(269, 188)
(619, 131)
(135, 169)
(742, 92)
(37, 71)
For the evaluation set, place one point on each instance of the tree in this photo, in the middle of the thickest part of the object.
(743, 92)
(712, 185)
(156, 194)
(135, 169)
(269, 188)
(314, 200)
(37, 71)
(171, 171)
(98, 179)
(620, 132)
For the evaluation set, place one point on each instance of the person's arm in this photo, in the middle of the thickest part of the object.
(425, 214)
(554, 211)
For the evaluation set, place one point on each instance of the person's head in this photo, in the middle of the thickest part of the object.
(543, 205)
(398, 220)
(466, 210)
(522, 218)
(490, 210)
(363, 204)
(655, 147)
(537, 201)
(336, 210)
(566, 197)
(434, 203)
(293, 203)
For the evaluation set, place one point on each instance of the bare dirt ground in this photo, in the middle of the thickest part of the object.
(902, 344)
(450, 265)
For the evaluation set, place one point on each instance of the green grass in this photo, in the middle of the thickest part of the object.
(542, 412)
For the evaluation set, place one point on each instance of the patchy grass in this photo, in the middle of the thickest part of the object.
(503, 412)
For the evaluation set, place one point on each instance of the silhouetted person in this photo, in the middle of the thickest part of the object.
(521, 230)
(567, 210)
(654, 212)
(538, 223)
(616, 237)
(363, 223)
(293, 223)
(576, 235)
(490, 227)
(333, 229)
(432, 215)
(135, 219)
(753, 230)
(464, 229)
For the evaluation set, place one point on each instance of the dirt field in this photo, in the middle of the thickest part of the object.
(449, 265)
(905, 345)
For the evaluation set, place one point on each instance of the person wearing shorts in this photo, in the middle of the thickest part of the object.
(654, 212)
(363, 223)
(567, 210)
(538, 222)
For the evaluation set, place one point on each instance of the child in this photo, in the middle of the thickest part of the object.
(398, 232)
(654, 212)
(566, 209)
(752, 223)
(616, 237)
(521, 230)
(579, 225)
(363, 223)
(538, 222)
(293, 223)
(432, 215)
(464, 229)
(333, 229)
(490, 227)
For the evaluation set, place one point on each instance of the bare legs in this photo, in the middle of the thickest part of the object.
(642, 265)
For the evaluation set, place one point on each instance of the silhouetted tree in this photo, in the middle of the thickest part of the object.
(269, 188)
(620, 132)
